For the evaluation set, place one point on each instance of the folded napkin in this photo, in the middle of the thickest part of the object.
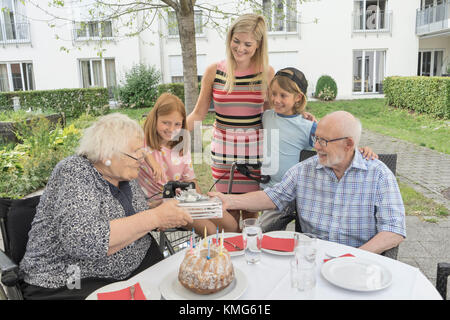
(278, 244)
(344, 255)
(236, 240)
(123, 294)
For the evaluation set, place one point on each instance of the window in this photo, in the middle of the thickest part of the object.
(430, 63)
(98, 73)
(368, 70)
(16, 76)
(370, 15)
(14, 27)
(88, 30)
(172, 23)
(281, 15)
(176, 67)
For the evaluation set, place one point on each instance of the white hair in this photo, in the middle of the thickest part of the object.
(347, 124)
(107, 136)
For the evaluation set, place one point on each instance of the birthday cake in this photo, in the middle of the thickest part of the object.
(206, 270)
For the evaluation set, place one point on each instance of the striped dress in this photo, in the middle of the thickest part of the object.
(237, 134)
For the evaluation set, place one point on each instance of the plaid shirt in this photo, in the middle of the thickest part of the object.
(350, 211)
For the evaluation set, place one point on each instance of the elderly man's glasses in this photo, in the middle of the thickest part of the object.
(324, 142)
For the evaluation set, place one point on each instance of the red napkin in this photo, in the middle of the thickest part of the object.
(344, 255)
(277, 244)
(236, 240)
(123, 294)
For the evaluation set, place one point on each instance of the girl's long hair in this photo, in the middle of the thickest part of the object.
(166, 104)
(256, 25)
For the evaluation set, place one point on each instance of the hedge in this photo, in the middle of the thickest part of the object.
(422, 94)
(71, 102)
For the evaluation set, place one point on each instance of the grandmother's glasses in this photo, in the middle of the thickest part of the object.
(324, 142)
(134, 158)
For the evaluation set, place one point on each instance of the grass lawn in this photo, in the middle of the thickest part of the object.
(376, 116)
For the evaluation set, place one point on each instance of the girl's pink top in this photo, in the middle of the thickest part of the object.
(175, 168)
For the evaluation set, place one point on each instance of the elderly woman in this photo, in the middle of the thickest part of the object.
(92, 225)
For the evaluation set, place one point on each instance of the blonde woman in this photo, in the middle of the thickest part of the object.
(238, 87)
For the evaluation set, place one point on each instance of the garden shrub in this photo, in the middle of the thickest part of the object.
(26, 167)
(421, 94)
(326, 88)
(71, 102)
(140, 88)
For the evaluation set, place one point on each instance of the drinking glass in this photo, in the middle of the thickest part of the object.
(252, 236)
(306, 272)
(306, 247)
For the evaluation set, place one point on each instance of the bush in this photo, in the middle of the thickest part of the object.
(71, 102)
(326, 88)
(140, 88)
(26, 167)
(421, 94)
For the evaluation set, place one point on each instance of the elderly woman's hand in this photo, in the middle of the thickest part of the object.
(170, 215)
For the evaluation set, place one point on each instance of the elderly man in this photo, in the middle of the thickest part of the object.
(340, 196)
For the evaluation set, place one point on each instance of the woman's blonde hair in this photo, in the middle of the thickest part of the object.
(166, 104)
(290, 86)
(255, 25)
(109, 135)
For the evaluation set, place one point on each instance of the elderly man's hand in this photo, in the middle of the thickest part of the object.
(170, 215)
(223, 197)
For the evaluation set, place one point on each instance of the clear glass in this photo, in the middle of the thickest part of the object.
(252, 236)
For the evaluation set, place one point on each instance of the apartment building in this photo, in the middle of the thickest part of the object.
(357, 42)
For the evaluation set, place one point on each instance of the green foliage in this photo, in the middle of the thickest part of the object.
(71, 102)
(421, 94)
(27, 166)
(326, 88)
(173, 88)
(140, 88)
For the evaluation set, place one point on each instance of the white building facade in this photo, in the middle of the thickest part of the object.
(357, 42)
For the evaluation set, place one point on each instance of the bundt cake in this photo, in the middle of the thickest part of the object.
(205, 275)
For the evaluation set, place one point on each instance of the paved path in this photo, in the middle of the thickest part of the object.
(428, 172)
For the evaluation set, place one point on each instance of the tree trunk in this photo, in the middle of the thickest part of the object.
(186, 29)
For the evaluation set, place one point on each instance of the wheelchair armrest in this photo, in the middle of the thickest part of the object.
(9, 270)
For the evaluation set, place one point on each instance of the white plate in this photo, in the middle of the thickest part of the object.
(150, 292)
(282, 235)
(172, 289)
(229, 235)
(357, 274)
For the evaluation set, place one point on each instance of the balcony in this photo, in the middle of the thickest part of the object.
(13, 33)
(433, 20)
(378, 21)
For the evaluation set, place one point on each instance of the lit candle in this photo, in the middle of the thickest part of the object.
(191, 244)
(221, 243)
(217, 236)
(193, 237)
(204, 239)
(209, 242)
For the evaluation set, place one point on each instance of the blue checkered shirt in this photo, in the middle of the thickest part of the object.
(365, 201)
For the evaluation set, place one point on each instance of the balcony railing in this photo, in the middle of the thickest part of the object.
(15, 33)
(378, 21)
(433, 18)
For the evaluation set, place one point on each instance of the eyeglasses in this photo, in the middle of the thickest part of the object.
(324, 142)
(134, 158)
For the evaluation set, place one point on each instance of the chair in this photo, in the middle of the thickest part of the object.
(390, 160)
(15, 223)
(443, 272)
(171, 240)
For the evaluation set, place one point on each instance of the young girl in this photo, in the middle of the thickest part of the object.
(287, 96)
(169, 158)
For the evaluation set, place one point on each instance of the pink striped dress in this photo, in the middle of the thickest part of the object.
(237, 134)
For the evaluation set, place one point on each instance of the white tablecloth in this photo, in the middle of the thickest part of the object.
(270, 278)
